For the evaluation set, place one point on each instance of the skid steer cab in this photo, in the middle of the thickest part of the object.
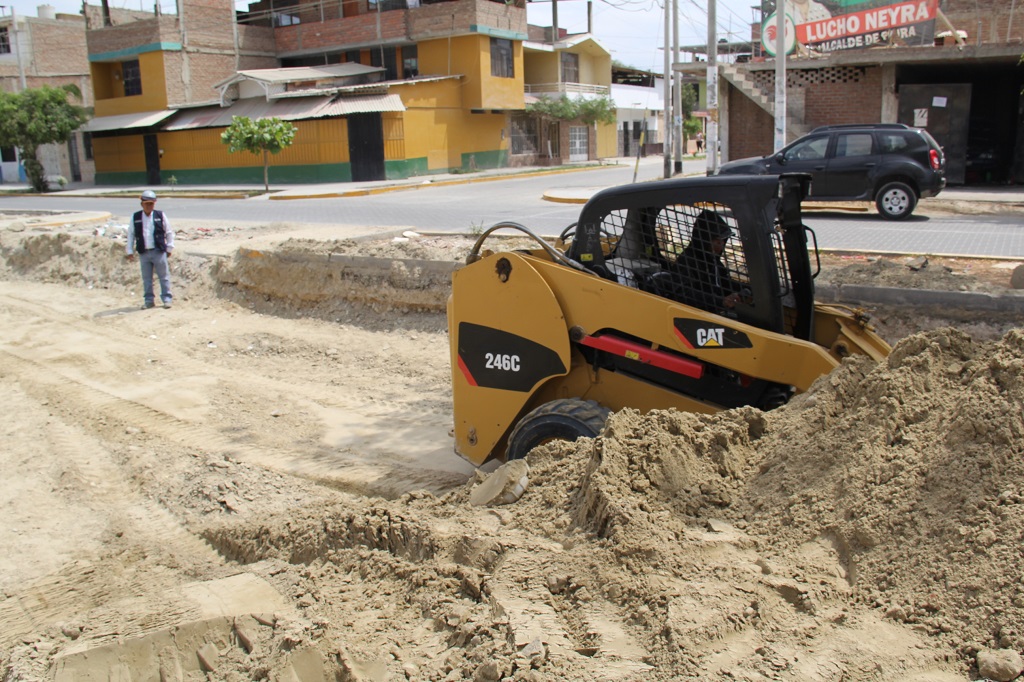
(695, 294)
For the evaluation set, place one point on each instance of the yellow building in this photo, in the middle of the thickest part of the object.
(375, 92)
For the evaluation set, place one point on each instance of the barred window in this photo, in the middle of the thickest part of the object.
(502, 64)
(5, 41)
(524, 135)
(132, 78)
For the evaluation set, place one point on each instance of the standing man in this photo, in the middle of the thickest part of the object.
(151, 235)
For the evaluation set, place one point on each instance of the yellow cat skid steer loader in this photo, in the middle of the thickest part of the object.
(695, 294)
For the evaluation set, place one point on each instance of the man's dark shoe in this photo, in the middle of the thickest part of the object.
(146, 306)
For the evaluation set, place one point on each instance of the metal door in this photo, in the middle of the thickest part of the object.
(152, 150)
(76, 169)
(366, 146)
(852, 165)
(944, 110)
(579, 143)
(807, 155)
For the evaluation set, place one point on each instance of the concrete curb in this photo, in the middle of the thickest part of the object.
(67, 219)
(427, 183)
(951, 300)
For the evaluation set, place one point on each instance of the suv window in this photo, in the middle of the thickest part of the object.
(854, 144)
(900, 143)
(808, 150)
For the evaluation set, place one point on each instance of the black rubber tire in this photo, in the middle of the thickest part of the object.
(564, 419)
(896, 201)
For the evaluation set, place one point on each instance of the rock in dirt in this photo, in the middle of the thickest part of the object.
(1001, 665)
(506, 485)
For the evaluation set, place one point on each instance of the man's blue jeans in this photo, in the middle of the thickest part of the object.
(155, 261)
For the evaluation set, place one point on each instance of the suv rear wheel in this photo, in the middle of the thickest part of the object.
(896, 201)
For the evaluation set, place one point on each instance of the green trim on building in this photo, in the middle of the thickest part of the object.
(406, 168)
(497, 158)
(120, 55)
(121, 178)
(306, 174)
(497, 32)
(309, 174)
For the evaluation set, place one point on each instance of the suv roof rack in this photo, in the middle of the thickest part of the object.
(873, 126)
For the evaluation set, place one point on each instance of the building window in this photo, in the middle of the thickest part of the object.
(385, 5)
(87, 145)
(389, 57)
(570, 67)
(502, 65)
(410, 61)
(524, 135)
(8, 154)
(132, 78)
(5, 41)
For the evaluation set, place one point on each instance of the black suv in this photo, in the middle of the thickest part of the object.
(891, 164)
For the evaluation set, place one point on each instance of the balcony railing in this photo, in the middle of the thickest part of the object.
(566, 89)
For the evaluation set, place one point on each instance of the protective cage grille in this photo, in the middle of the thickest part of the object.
(690, 254)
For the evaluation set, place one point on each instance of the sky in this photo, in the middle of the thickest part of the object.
(633, 30)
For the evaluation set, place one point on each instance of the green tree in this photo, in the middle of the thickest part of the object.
(691, 127)
(589, 111)
(688, 98)
(265, 136)
(38, 116)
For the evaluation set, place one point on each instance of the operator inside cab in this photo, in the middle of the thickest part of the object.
(707, 280)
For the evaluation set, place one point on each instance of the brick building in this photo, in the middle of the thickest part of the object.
(962, 80)
(450, 78)
(28, 60)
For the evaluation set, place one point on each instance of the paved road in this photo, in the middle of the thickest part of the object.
(469, 207)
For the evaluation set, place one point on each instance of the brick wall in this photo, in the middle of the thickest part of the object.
(988, 19)
(127, 36)
(751, 129)
(71, 58)
(337, 33)
(209, 24)
(829, 96)
(421, 23)
(256, 40)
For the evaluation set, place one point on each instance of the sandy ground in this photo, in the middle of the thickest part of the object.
(259, 484)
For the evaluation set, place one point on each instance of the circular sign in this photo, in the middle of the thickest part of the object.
(768, 34)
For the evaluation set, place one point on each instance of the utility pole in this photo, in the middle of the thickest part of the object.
(15, 45)
(677, 97)
(666, 144)
(712, 79)
(780, 75)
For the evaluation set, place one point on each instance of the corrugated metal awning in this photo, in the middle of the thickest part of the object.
(362, 104)
(122, 121)
(289, 109)
(254, 108)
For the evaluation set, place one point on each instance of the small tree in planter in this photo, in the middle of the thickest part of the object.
(265, 136)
